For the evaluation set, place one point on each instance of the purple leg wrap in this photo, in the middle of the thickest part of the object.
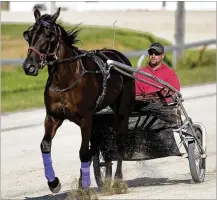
(48, 168)
(85, 169)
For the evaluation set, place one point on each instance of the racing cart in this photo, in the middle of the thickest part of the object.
(151, 132)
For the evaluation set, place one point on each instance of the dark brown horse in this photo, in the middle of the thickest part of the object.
(79, 84)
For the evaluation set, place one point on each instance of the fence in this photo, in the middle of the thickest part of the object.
(142, 53)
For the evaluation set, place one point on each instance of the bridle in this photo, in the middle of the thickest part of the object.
(43, 56)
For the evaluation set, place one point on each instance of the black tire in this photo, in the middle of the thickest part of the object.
(196, 163)
(102, 170)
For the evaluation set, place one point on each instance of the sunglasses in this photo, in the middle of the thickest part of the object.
(154, 52)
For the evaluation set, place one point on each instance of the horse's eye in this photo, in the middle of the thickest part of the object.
(26, 35)
(52, 38)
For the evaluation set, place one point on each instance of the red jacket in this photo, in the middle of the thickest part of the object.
(164, 73)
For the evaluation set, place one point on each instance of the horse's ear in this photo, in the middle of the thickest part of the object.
(56, 15)
(37, 14)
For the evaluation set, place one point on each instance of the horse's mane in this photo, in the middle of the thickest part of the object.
(70, 37)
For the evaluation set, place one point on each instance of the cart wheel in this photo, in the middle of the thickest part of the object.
(102, 170)
(197, 164)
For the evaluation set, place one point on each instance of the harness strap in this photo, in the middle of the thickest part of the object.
(71, 59)
(105, 75)
(81, 75)
(68, 88)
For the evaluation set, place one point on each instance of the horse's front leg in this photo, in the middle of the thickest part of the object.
(51, 125)
(85, 153)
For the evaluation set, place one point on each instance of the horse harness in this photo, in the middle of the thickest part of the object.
(97, 57)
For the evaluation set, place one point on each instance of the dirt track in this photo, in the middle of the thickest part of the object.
(22, 175)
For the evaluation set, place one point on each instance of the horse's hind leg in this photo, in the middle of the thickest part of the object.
(123, 110)
(122, 129)
(51, 125)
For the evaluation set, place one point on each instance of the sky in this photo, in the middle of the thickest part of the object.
(87, 6)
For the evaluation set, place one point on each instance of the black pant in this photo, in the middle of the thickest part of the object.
(160, 110)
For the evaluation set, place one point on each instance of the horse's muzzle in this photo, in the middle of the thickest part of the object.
(30, 69)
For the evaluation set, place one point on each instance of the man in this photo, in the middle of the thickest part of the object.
(156, 68)
(160, 117)
(150, 97)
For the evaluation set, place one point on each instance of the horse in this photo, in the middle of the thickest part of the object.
(79, 84)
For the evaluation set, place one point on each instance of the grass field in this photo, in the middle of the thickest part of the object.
(92, 37)
(21, 92)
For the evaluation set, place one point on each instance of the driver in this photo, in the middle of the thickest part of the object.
(157, 68)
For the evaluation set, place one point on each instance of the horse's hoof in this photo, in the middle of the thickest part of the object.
(80, 185)
(55, 186)
(119, 176)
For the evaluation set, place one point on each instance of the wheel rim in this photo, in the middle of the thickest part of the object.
(102, 170)
(199, 162)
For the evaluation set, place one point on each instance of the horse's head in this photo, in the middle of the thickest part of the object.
(43, 39)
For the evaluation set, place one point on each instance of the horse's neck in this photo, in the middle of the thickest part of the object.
(64, 73)
(65, 52)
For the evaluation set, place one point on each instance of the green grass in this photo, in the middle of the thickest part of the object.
(22, 100)
(95, 37)
(22, 92)
(200, 75)
(15, 81)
